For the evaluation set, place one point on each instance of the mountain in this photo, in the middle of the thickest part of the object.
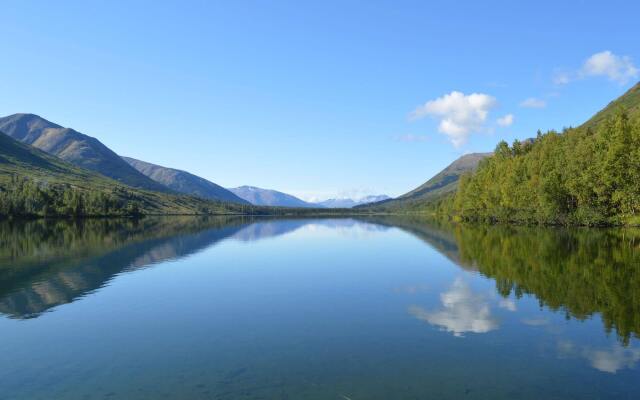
(20, 159)
(267, 197)
(349, 203)
(63, 182)
(184, 182)
(630, 101)
(444, 182)
(74, 147)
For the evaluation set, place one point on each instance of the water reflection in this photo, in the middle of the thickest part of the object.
(462, 311)
(610, 359)
(332, 307)
(579, 272)
(46, 263)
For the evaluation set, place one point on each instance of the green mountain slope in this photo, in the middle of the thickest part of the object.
(443, 183)
(446, 180)
(74, 147)
(31, 178)
(630, 101)
(184, 182)
(20, 159)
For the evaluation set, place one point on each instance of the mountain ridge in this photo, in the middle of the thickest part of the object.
(36, 183)
(438, 186)
(184, 182)
(76, 148)
(269, 197)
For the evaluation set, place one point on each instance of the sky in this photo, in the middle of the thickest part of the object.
(319, 99)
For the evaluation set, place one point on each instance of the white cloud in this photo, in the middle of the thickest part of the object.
(463, 311)
(532, 102)
(459, 114)
(507, 120)
(616, 68)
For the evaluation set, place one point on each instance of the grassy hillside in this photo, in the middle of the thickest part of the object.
(76, 148)
(630, 102)
(184, 182)
(30, 177)
(434, 190)
(446, 180)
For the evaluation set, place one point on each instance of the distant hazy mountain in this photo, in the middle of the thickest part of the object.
(184, 182)
(74, 147)
(446, 181)
(266, 197)
(348, 203)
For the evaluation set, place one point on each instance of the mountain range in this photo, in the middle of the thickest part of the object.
(19, 160)
(89, 153)
(350, 203)
(267, 197)
(36, 148)
(184, 182)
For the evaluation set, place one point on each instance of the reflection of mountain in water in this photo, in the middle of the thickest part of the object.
(581, 272)
(436, 234)
(48, 263)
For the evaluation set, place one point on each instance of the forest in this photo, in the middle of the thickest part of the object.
(25, 197)
(581, 176)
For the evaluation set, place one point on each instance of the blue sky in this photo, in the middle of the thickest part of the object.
(319, 99)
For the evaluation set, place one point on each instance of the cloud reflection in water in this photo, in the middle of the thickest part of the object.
(463, 311)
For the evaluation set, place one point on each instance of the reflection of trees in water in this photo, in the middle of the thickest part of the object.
(581, 271)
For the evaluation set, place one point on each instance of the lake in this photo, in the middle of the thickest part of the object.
(374, 308)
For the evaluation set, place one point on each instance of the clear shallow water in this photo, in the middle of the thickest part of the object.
(187, 308)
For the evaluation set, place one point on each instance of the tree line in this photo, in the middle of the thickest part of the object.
(582, 176)
(23, 197)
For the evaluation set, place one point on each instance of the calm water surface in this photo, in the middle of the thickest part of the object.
(386, 308)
